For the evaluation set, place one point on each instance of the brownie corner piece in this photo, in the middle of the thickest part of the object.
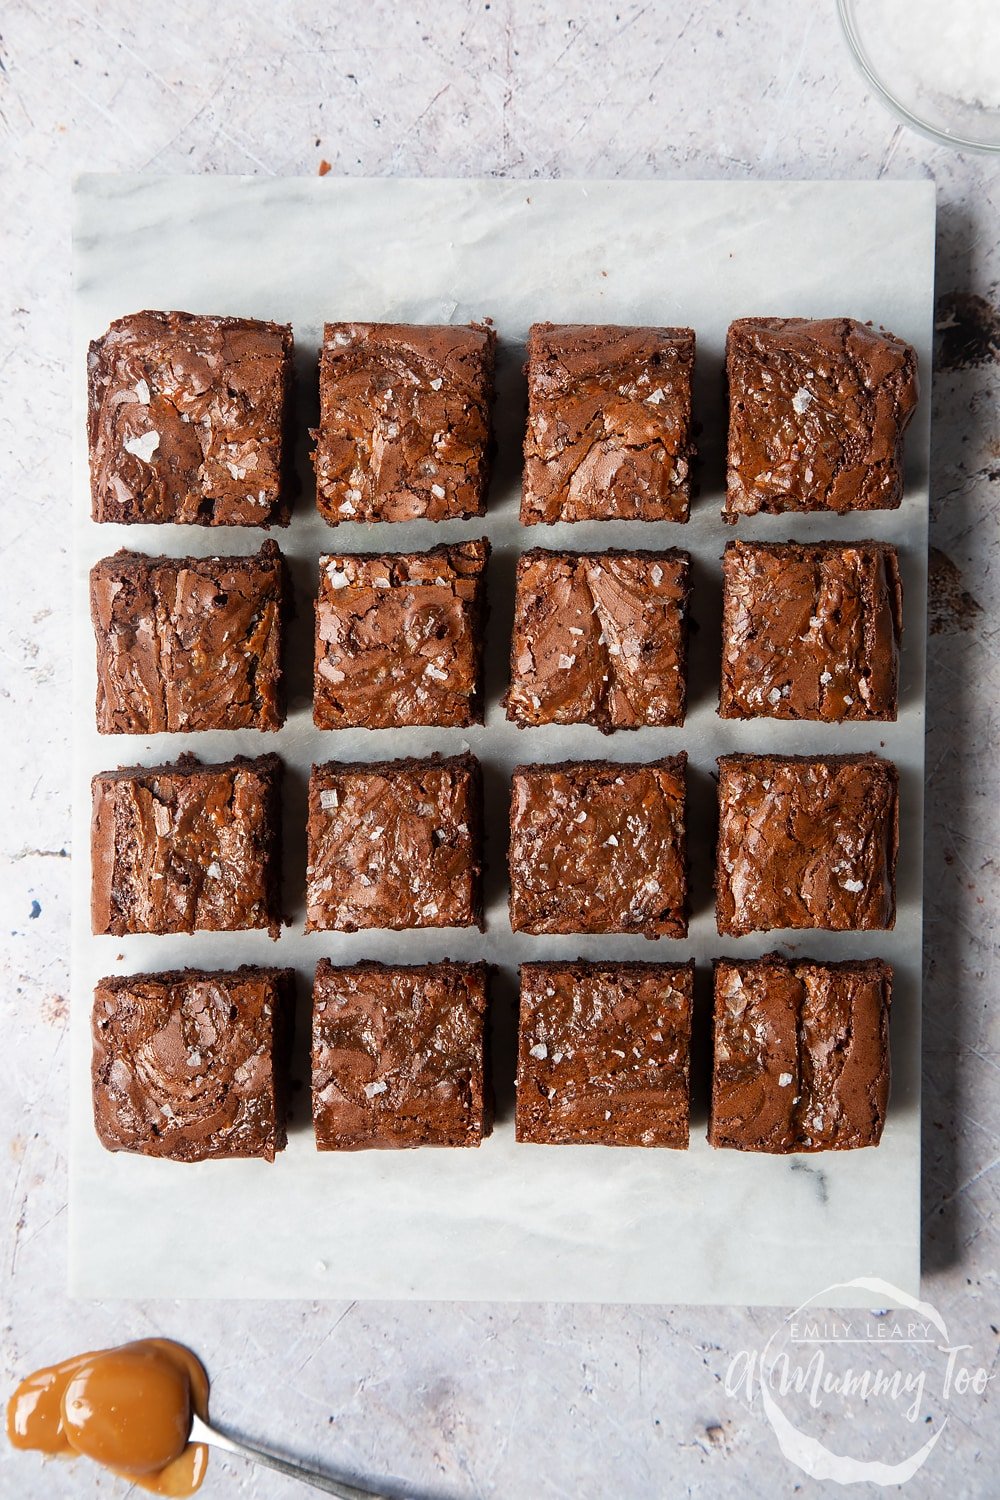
(806, 842)
(192, 1064)
(817, 412)
(599, 638)
(609, 433)
(599, 847)
(604, 1054)
(189, 420)
(800, 1054)
(400, 1056)
(395, 844)
(405, 421)
(399, 638)
(187, 847)
(810, 631)
(189, 644)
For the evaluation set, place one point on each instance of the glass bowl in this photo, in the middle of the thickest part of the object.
(935, 63)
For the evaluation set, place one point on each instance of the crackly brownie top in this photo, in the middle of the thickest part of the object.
(806, 842)
(186, 420)
(603, 1053)
(817, 412)
(404, 421)
(599, 639)
(810, 632)
(801, 1054)
(398, 1056)
(394, 844)
(189, 1064)
(599, 847)
(398, 638)
(191, 643)
(609, 423)
(186, 846)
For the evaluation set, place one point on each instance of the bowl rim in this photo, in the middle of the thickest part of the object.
(849, 27)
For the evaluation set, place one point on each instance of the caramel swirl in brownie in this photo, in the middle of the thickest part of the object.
(806, 842)
(188, 420)
(404, 428)
(609, 424)
(801, 1054)
(817, 412)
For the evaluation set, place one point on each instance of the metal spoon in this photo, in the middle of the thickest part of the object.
(202, 1433)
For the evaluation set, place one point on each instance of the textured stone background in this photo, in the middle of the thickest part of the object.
(484, 1401)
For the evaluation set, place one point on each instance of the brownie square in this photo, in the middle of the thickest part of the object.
(395, 844)
(193, 1064)
(400, 1056)
(817, 412)
(599, 639)
(801, 1056)
(189, 420)
(810, 632)
(599, 847)
(186, 847)
(404, 427)
(188, 644)
(399, 638)
(609, 424)
(806, 842)
(604, 1054)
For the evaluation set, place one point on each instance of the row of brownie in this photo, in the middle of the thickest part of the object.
(194, 1065)
(809, 631)
(595, 846)
(190, 420)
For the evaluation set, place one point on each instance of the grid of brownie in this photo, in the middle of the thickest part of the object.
(192, 1064)
(599, 847)
(400, 1055)
(399, 638)
(817, 413)
(189, 422)
(189, 644)
(599, 638)
(609, 433)
(800, 1055)
(604, 1054)
(395, 845)
(404, 426)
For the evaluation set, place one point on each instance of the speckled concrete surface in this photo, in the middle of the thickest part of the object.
(480, 1401)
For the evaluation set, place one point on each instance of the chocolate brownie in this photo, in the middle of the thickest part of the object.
(603, 1054)
(817, 412)
(801, 1054)
(810, 631)
(193, 1064)
(395, 844)
(189, 420)
(609, 424)
(404, 427)
(599, 639)
(806, 841)
(187, 846)
(189, 644)
(400, 1056)
(599, 847)
(399, 638)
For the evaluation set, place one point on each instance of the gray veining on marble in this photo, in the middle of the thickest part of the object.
(480, 1400)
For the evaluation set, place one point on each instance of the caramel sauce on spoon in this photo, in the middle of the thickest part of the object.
(128, 1408)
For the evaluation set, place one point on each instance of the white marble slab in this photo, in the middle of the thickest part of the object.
(506, 1222)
